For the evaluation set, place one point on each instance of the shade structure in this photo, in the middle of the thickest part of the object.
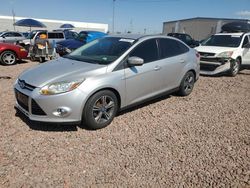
(67, 26)
(29, 23)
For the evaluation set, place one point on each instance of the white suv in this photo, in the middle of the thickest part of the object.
(55, 36)
(224, 52)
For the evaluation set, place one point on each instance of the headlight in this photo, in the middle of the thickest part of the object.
(60, 87)
(67, 50)
(225, 54)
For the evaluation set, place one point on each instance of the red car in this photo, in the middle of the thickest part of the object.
(9, 53)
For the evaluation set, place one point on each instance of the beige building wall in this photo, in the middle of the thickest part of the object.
(198, 28)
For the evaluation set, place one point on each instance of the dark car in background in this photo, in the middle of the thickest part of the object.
(185, 38)
(9, 53)
(66, 46)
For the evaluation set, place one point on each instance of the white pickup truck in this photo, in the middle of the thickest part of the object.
(224, 52)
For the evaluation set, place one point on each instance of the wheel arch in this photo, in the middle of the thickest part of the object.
(193, 71)
(5, 50)
(240, 58)
(117, 94)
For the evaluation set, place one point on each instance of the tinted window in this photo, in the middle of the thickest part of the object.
(170, 47)
(246, 41)
(147, 51)
(17, 35)
(55, 35)
(8, 34)
(60, 35)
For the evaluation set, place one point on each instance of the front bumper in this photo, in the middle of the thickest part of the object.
(45, 108)
(23, 54)
(213, 66)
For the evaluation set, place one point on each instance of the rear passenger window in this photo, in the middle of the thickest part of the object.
(170, 48)
(17, 35)
(55, 35)
(147, 50)
(60, 35)
(52, 35)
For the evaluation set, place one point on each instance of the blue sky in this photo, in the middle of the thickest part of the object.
(133, 15)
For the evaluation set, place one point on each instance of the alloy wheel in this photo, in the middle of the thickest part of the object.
(9, 58)
(103, 109)
(189, 83)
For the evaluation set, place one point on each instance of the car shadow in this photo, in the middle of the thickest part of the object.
(49, 127)
(22, 61)
(244, 73)
(145, 103)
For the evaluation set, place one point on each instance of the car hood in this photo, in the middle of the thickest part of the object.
(71, 43)
(59, 70)
(214, 49)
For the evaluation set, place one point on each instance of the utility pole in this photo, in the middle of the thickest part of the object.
(14, 19)
(113, 26)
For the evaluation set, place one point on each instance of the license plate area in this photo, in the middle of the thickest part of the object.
(23, 100)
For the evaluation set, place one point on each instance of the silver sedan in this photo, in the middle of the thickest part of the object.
(94, 82)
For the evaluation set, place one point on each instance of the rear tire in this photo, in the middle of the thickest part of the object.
(8, 58)
(100, 109)
(187, 84)
(234, 67)
(42, 59)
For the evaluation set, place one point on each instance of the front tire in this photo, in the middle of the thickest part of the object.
(8, 58)
(234, 67)
(100, 109)
(187, 84)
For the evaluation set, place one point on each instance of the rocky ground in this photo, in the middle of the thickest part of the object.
(202, 140)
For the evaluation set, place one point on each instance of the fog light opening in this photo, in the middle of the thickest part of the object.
(62, 112)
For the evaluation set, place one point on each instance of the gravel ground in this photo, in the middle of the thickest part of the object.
(202, 140)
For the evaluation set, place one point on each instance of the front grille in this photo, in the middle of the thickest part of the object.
(22, 100)
(24, 85)
(208, 67)
(216, 60)
(36, 109)
(206, 54)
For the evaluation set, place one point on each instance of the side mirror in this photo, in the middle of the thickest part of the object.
(135, 61)
(3, 37)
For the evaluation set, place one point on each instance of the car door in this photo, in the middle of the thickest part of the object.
(246, 50)
(174, 57)
(142, 81)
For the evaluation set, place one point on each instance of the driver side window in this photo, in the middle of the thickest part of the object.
(147, 50)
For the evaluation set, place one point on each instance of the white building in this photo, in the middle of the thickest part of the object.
(6, 23)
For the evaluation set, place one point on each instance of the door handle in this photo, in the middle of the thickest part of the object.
(157, 68)
(182, 61)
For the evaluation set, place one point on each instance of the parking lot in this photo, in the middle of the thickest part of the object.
(201, 140)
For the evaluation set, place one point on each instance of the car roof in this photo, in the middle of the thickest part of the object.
(233, 34)
(138, 36)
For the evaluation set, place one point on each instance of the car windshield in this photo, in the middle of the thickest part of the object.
(70, 34)
(223, 41)
(101, 51)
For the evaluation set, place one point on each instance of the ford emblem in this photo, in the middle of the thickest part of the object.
(22, 84)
